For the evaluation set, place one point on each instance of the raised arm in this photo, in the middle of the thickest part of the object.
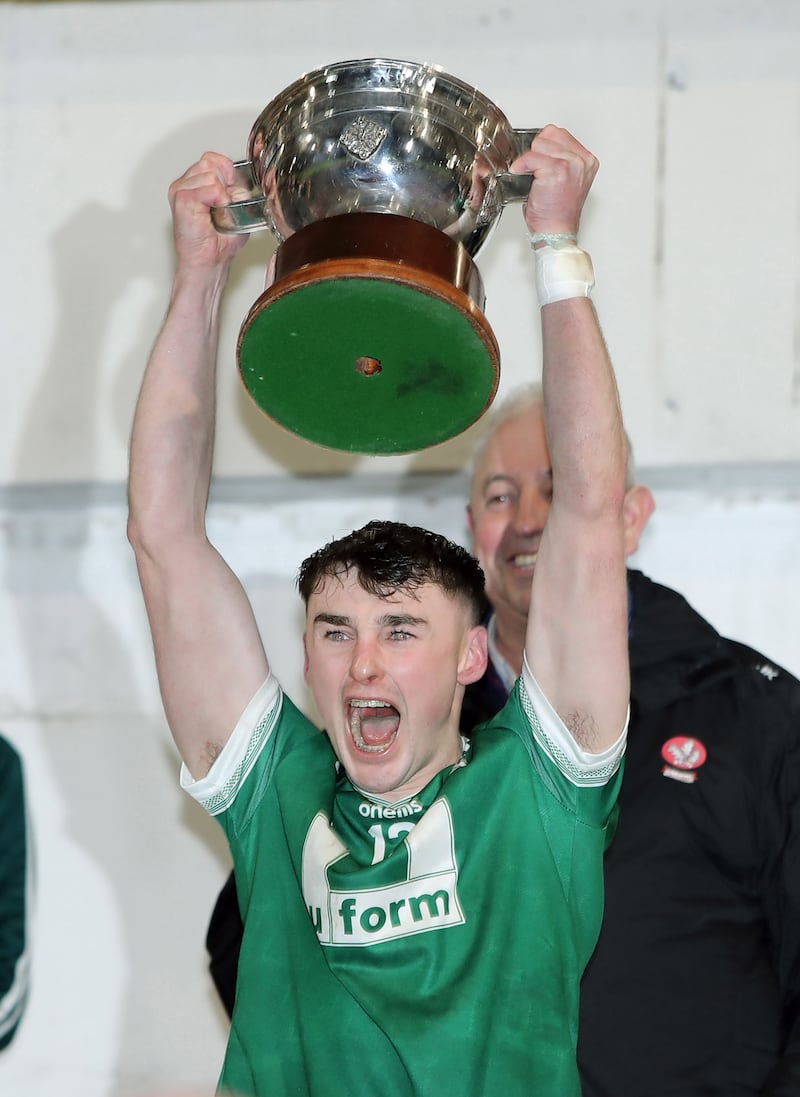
(577, 644)
(209, 654)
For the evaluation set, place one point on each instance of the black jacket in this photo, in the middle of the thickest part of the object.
(694, 988)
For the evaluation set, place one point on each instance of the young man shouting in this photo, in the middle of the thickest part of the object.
(417, 911)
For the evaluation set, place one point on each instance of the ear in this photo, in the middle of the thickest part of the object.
(305, 658)
(470, 520)
(639, 504)
(475, 657)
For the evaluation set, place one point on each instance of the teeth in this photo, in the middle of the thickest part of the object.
(525, 561)
(377, 748)
(357, 704)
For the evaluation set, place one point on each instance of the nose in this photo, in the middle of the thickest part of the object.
(531, 512)
(366, 664)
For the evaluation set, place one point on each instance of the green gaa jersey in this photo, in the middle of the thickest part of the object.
(428, 948)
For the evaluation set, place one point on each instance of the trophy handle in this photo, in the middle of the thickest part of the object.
(247, 215)
(515, 185)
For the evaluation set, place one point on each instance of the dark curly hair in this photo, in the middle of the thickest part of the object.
(393, 556)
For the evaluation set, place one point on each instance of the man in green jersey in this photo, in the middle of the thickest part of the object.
(417, 911)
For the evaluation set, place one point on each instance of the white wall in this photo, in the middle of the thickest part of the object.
(695, 232)
(693, 109)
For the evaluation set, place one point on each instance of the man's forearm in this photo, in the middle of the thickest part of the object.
(173, 430)
(582, 409)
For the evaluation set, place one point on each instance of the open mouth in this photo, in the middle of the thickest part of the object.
(373, 724)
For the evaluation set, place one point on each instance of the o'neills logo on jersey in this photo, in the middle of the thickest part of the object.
(389, 811)
(427, 899)
(684, 755)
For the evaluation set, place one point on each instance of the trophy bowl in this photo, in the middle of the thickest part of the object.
(381, 180)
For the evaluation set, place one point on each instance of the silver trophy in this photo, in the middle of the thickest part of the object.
(381, 180)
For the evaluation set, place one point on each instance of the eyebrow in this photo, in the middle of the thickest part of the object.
(507, 478)
(498, 478)
(391, 619)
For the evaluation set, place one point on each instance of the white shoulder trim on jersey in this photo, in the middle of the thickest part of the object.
(217, 788)
(553, 736)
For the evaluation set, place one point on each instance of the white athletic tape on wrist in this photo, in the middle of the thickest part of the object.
(556, 240)
(562, 273)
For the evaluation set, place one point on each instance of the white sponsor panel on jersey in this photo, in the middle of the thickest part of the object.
(426, 900)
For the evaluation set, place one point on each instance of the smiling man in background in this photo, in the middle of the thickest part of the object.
(694, 987)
